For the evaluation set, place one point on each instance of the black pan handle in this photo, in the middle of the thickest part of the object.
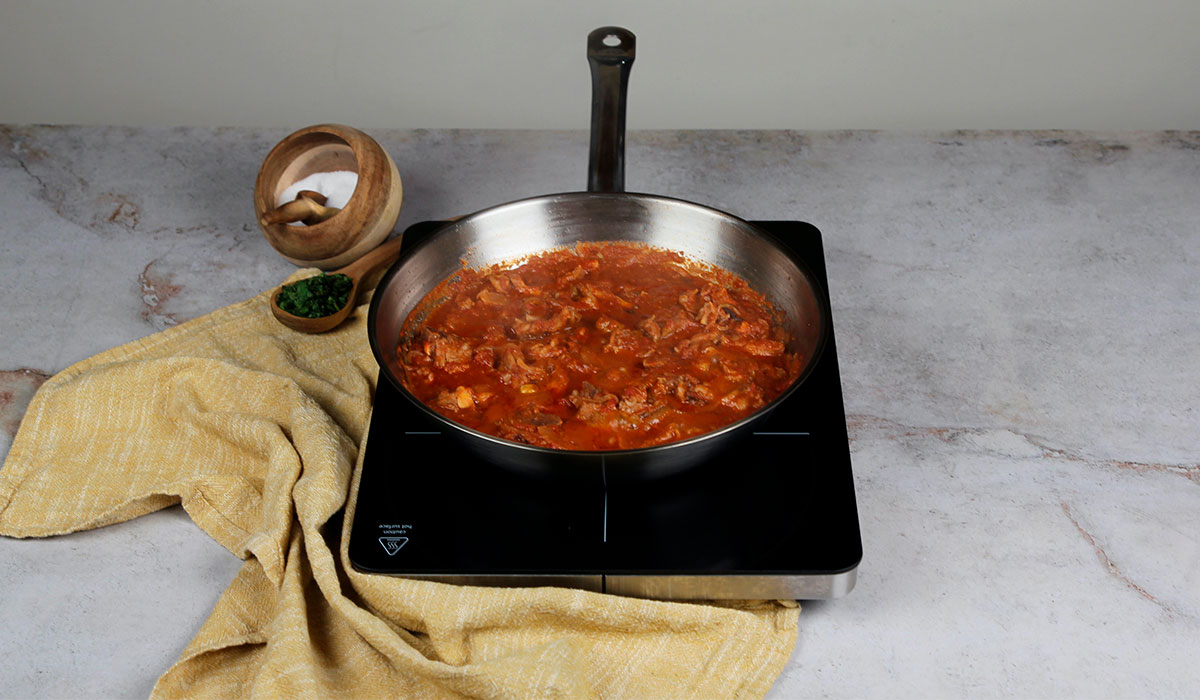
(610, 52)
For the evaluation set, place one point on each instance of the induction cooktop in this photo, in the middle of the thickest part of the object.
(774, 516)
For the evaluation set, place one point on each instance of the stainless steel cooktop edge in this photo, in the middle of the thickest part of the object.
(674, 587)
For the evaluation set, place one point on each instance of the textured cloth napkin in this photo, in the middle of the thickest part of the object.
(255, 430)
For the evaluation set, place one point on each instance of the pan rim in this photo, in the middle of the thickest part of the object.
(821, 295)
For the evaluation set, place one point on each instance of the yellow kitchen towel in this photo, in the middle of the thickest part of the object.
(255, 430)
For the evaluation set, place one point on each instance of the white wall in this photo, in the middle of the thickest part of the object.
(823, 64)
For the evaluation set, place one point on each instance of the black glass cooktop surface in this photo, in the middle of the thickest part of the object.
(773, 516)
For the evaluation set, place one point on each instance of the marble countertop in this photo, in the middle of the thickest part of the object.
(1018, 317)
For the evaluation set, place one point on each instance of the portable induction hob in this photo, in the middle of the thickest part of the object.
(773, 517)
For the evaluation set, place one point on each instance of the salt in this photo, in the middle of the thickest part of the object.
(337, 186)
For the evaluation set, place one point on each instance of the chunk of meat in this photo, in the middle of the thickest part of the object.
(541, 351)
(608, 324)
(653, 362)
(728, 317)
(584, 296)
(491, 298)
(462, 398)
(534, 307)
(721, 316)
(564, 317)
(683, 387)
(519, 284)
(607, 297)
(651, 328)
(707, 314)
(690, 301)
(415, 357)
(418, 375)
(744, 399)
(763, 347)
(636, 399)
(590, 296)
(485, 357)
(591, 403)
(514, 370)
(524, 432)
(573, 276)
(759, 328)
(626, 340)
(448, 351)
(698, 344)
(676, 325)
(717, 294)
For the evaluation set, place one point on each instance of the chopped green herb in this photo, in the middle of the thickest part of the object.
(316, 296)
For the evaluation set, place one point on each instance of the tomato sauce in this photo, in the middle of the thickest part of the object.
(602, 346)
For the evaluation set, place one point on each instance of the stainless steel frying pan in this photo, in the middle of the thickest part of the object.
(604, 213)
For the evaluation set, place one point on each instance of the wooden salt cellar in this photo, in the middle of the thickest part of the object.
(349, 233)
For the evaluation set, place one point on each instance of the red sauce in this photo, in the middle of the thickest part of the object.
(602, 346)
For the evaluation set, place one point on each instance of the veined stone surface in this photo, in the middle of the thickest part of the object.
(1017, 317)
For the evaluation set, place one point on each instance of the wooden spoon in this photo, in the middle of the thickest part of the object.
(357, 271)
(308, 208)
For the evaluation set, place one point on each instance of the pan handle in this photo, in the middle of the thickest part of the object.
(610, 52)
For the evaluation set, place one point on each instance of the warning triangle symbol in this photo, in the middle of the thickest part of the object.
(391, 545)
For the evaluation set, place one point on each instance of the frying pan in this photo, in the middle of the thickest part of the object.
(605, 212)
